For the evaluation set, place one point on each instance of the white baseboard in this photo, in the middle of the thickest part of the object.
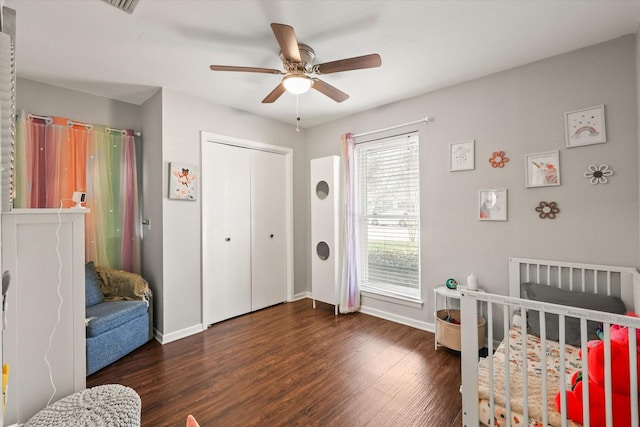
(174, 336)
(195, 329)
(418, 324)
(302, 295)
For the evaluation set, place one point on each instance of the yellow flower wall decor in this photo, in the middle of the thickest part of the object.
(547, 210)
(498, 159)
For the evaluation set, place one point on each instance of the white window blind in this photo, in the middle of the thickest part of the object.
(387, 180)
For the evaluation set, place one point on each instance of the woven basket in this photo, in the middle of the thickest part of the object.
(448, 334)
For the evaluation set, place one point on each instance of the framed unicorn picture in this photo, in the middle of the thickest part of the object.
(585, 127)
(542, 169)
(183, 181)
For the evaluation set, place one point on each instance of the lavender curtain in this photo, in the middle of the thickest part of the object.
(349, 290)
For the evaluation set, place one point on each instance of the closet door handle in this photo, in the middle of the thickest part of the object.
(227, 239)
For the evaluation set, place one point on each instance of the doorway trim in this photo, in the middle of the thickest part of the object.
(212, 138)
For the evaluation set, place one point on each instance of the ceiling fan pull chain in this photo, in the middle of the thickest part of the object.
(297, 113)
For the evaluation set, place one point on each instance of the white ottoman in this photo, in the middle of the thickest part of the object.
(111, 405)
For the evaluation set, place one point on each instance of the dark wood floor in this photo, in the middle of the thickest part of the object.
(293, 365)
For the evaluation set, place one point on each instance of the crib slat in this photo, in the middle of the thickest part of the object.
(570, 278)
(633, 376)
(543, 359)
(585, 373)
(492, 403)
(469, 371)
(563, 373)
(507, 379)
(560, 277)
(608, 283)
(607, 373)
(525, 369)
(582, 280)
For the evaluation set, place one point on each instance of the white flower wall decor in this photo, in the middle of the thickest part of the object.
(598, 174)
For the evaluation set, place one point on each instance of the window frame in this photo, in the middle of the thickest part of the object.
(364, 219)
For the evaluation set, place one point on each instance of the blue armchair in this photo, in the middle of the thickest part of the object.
(119, 314)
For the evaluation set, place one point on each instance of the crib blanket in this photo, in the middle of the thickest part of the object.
(534, 378)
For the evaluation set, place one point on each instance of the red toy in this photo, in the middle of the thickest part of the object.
(621, 403)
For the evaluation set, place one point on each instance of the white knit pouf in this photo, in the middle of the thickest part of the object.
(111, 405)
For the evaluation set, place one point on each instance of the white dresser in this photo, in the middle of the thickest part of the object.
(44, 251)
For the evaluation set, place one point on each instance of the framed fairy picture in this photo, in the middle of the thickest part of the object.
(183, 181)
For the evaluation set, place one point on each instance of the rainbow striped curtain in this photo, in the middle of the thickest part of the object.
(56, 156)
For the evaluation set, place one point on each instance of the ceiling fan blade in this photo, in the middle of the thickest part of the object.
(332, 92)
(286, 38)
(245, 69)
(356, 63)
(274, 95)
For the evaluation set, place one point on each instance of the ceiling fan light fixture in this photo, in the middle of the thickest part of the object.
(297, 83)
(298, 65)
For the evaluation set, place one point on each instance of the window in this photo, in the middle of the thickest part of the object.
(387, 182)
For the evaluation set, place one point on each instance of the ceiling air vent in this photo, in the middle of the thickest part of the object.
(125, 5)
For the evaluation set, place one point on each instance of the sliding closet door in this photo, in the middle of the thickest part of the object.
(268, 243)
(227, 226)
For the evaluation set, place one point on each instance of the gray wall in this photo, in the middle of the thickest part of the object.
(183, 118)
(47, 100)
(151, 205)
(638, 101)
(171, 124)
(519, 111)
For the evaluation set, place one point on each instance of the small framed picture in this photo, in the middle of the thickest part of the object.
(585, 127)
(542, 169)
(492, 205)
(183, 181)
(462, 156)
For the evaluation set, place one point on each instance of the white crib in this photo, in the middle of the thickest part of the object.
(530, 398)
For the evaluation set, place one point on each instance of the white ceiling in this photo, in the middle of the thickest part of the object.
(93, 47)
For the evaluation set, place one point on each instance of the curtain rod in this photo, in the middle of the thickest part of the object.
(424, 120)
(48, 120)
(123, 131)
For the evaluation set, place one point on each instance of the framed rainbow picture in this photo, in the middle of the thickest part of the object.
(585, 127)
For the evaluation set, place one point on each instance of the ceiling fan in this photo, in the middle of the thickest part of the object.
(297, 60)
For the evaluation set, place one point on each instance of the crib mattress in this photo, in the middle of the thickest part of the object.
(534, 378)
